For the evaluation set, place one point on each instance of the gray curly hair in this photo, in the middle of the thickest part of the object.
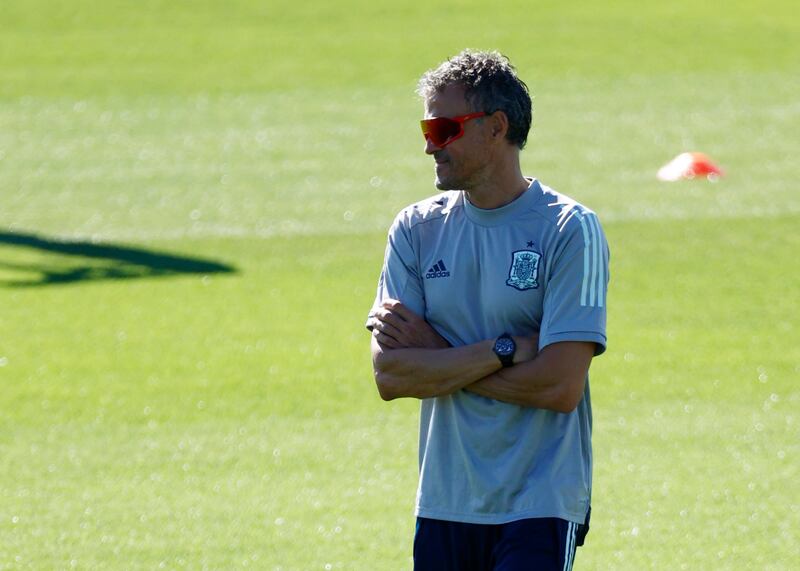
(491, 84)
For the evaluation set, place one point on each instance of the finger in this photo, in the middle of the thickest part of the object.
(381, 328)
(373, 322)
(386, 340)
(400, 309)
(388, 329)
(389, 316)
(391, 305)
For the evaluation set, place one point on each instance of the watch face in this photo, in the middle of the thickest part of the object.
(504, 346)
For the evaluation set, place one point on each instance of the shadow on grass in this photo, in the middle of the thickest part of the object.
(94, 262)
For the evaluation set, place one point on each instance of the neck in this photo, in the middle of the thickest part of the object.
(504, 184)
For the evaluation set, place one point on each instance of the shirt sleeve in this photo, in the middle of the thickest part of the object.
(575, 296)
(400, 276)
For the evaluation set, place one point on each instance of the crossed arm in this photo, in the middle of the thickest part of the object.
(410, 359)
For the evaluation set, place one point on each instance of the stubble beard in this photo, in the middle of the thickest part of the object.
(451, 181)
(444, 184)
(446, 181)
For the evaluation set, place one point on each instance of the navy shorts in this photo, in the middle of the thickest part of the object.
(540, 544)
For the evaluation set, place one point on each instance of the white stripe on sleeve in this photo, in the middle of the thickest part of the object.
(601, 274)
(593, 278)
(586, 256)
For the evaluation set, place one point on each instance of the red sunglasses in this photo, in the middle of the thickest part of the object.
(441, 131)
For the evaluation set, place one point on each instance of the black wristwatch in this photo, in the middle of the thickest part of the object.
(504, 348)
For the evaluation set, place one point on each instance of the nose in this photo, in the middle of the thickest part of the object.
(430, 148)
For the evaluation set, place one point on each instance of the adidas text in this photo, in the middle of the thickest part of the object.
(438, 271)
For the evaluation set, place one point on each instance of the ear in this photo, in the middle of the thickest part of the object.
(498, 125)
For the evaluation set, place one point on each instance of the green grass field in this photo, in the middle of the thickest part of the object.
(157, 412)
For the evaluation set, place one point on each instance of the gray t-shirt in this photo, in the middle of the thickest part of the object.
(540, 264)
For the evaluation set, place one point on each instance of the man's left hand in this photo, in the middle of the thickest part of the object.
(397, 327)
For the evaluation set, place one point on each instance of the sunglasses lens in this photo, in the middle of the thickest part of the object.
(440, 129)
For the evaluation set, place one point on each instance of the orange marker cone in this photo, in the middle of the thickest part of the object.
(690, 165)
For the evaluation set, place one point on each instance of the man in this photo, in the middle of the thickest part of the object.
(490, 307)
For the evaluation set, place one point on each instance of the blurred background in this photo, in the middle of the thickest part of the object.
(195, 197)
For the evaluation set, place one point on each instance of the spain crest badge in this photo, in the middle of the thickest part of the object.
(524, 271)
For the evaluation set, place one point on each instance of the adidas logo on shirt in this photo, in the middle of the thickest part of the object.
(438, 271)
